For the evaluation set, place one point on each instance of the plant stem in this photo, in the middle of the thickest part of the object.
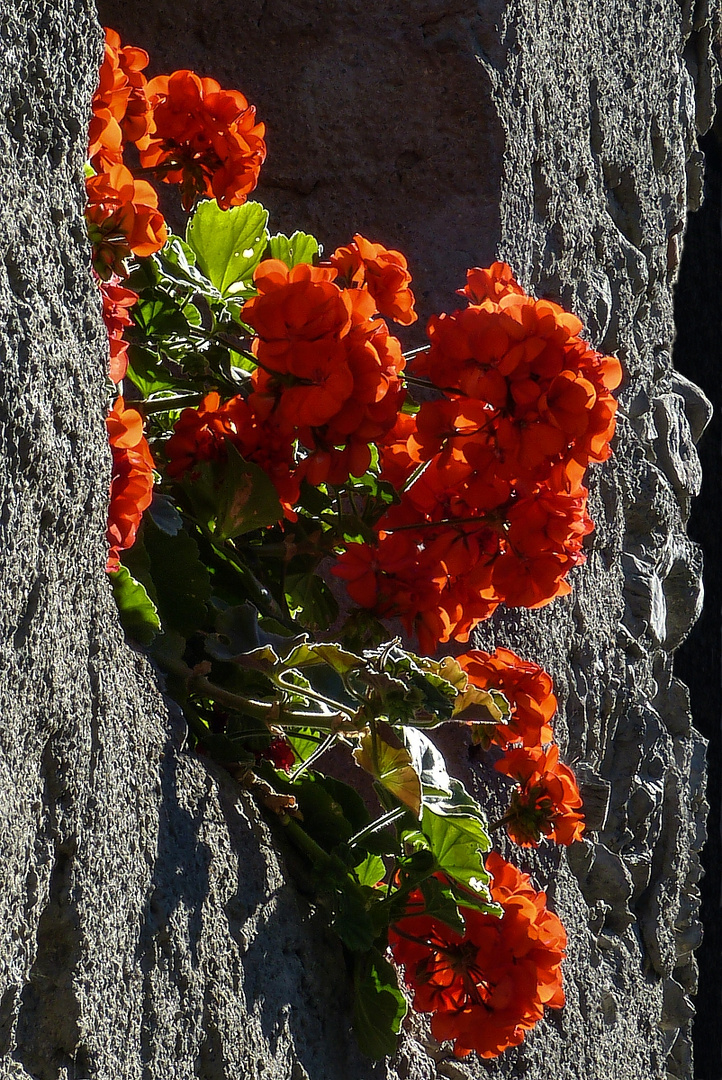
(308, 846)
(263, 710)
(271, 712)
(168, 404)
(416, 381)
(312, 758)
(375, 826)
(312, 695)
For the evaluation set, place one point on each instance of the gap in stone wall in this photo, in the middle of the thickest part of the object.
(698, 356)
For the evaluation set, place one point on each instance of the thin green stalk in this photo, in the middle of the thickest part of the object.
(262, 710)
(311, 695)
(374, 746)
(272, 712)
(312, 758)
(168, 404)
(375, 826)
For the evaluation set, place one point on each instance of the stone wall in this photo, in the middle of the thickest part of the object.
(148, 928)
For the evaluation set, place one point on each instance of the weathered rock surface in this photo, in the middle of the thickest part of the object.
(148, 929)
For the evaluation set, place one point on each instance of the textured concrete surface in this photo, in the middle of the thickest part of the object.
(148, 931)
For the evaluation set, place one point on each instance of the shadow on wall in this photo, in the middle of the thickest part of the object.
(698, 356)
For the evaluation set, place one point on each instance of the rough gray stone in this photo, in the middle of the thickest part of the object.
(148, 927)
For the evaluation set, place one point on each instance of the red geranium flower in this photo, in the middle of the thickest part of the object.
(491, 283)
(121, 109)
(117, 302)
(280, 753)
(524, 684)
(123, 220)
(546, 801)
(329, 372)
(294, 309)
(203, 434)
(383, 272)
(490, 476)
(131, 486)
(204, 138)
(485, 989)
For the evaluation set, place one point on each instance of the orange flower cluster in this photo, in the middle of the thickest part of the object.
(493, 509)
(188, 131)
(131, 485)
(203, 434)
(121, 109)
(122, 213)
(383, 272)
(485, 989)
(546, 801)
(527, 688)
(117, 302)
(123, 219)
(329, 371)
(203, 138)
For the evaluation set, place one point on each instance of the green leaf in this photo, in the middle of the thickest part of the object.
(428, 762)
(228, 244)
(348, 799)
(138, 614)
(241, 361)
(136, 560)
(420, 864)
(181, 580)
(311, 596)
(409, 693)
(479, 706)
(165, 515)
(350, 918)
(458, 852)
(309, 655)
(158, 315)
(146, 371)
(460, 805)
(177, 263)
(370, 871)
(247, 499)
(239, 630)
(262, 659)
(439, 901)
(393, 768)
(379, 1005)
(303, 746)
(144, 275)
(299, 248)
